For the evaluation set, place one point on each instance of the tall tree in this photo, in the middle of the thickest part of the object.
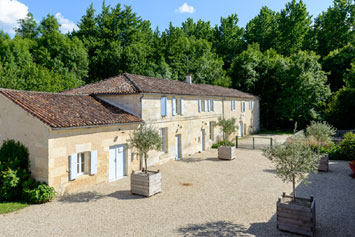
(228, 39)
(28, 27)
(335, 27)
(293, 27)
(262, 29)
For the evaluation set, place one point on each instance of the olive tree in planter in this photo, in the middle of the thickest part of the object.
(293, 161)
(227, 151)
(145, 182)
(321, 132)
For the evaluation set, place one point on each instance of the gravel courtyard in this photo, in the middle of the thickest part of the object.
(201, 196)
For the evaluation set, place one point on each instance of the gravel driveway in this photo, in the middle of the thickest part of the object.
(201, 196)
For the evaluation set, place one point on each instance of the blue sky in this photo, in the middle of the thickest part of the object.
(159, 12)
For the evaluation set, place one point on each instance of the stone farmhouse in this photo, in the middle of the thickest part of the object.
(79, 137)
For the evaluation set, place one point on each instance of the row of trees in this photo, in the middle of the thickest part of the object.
(293, 62)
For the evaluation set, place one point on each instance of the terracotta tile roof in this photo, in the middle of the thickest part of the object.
(63, 111)
(131, 83)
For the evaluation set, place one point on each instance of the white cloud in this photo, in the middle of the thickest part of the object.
(10, 12)
(66, 24)
(185, 8)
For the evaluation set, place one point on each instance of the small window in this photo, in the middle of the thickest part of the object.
(203, 105)
(164, 139)
(82, 163)
(251, 105)
(242, 106)
(212, 105)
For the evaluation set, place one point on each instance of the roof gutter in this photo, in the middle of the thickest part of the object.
(95, 126)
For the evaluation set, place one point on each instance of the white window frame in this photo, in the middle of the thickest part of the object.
(82, 161)
(164, 140)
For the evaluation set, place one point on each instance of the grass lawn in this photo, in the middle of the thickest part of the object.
(277, 132)
(7, 207)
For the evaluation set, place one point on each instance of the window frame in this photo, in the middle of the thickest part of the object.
(82, 161)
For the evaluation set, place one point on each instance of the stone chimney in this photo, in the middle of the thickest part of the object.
(189, 79)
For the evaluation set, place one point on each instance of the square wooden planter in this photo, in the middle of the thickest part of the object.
(146, 184)
(226, 152)
(297, 217)
(324, 164)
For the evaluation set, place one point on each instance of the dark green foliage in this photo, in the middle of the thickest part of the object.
(8, 185)
(15, 181)
(347, 147)
(222, 143)
(37, 192)
(338, 64)
(340, 112)
(15, 156)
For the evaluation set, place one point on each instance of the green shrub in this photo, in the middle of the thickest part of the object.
(222, 143)
(15, 156)
(37, 192)
(347, 147)
(8, 185)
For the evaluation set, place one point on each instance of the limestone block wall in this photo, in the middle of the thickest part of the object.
(130, 103)
(17, 124)
(64, 142)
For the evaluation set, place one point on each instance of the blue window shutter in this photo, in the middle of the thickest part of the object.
(206, 105)
(163, 106)
(181, 106)
(173, 106)
(199, 105)
(93, 162)
(73, 166)
(209, 106)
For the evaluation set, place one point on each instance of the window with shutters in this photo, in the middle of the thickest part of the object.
(82, 163)
(242, 106)
(203, 106)
(212, 105)
(164, 140)
(233, 105)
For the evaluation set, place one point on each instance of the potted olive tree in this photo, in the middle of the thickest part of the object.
(226, 150)
(321, 132)
(293, 161)
(145, 182)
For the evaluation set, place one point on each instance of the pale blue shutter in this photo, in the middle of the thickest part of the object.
(93, 163)
(209, 106)
(173, 106)
(206, 105)
(241, 106)
(181, 106)
(199, 105)
(73, 166)
(163, 106)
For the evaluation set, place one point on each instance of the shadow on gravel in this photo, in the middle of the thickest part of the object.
(81, 197)
(124, 195)
(225, 229)
(269, 171)
(95, 196)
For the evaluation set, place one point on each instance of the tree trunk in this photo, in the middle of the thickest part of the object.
(145, 163)
(294, 188)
